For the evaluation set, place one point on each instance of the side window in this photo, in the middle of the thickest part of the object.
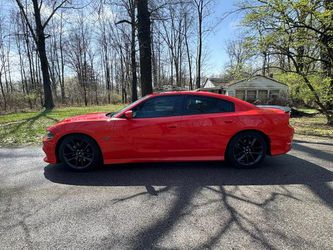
(160, 106)
(206, 105)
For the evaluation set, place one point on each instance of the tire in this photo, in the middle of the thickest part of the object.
(247, 150)
(79, 152)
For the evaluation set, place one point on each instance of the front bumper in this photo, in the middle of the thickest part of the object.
(49, 147)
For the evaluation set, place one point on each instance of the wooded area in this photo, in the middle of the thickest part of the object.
(62, 52)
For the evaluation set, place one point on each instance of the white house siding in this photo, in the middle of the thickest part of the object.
(257, 88)
(209, 84)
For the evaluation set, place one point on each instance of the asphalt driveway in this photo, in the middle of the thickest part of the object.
(287, 203)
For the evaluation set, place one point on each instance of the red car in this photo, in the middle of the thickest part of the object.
(172, 126)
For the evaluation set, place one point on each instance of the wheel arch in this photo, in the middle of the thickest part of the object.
(265, 136)
(61, 139)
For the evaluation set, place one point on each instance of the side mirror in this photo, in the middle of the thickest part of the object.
(129, 114)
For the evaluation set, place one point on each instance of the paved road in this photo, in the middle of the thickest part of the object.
(286, 204)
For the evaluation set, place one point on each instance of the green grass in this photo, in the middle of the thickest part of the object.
(308, 111)
(29, 127)
(315, 126)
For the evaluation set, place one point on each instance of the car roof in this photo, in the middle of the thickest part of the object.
(242, 103)
(189, 92)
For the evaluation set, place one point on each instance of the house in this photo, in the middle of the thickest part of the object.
(259, 89)
(216, 85)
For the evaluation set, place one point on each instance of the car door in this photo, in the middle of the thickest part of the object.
(206, 126)
(153, 131)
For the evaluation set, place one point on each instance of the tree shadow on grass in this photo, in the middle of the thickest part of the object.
(30, 121)
(26, 125)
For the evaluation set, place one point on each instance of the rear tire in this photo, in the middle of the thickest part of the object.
(79, 152)
(247, 150)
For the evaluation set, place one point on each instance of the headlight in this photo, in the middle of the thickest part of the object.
(49, 135)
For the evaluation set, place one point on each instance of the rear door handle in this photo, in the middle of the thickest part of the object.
(228, 121)
(172, 126)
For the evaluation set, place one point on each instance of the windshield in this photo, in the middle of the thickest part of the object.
(113, 114)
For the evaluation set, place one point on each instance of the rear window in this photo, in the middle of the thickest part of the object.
(207, 105)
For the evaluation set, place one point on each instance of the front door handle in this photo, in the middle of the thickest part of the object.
(172, 126)
(228, 121)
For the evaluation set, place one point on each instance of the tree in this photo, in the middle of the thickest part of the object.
(2, 66)
(78, 50)
(299, 31)
(239, 53)
(129, 5)
(38, 34)
(201, 7)
(186, 38)
(144, 38)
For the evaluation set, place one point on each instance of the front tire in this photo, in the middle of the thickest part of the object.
(247, 150)
(79, 152)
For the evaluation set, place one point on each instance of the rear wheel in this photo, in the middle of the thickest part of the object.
(247, 150)
(79, 152)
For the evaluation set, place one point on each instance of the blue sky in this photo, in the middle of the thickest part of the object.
(226, 30)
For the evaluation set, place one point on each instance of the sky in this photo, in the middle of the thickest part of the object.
(226, 30)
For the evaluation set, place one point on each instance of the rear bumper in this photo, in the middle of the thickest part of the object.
(49, 148)
(282, 144)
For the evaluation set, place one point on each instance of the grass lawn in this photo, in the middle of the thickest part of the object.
(315, 125)
(29, 127)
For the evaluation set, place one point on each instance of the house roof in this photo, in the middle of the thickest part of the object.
(217, 82)
(254, 77)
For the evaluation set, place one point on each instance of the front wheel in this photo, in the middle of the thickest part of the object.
(247, 150)
(79, 152)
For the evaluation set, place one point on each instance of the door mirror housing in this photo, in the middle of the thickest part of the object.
(129, 114)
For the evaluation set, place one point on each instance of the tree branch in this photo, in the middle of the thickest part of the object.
(123, 21)
(53, 12)
(26, 19)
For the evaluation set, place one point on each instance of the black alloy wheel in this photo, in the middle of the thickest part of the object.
(79, 152)
(247, 150)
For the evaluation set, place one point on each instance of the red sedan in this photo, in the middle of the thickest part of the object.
(173, 126)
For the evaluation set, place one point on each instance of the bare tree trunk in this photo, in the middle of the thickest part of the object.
(62, 63)
(199, 45)
(9, 71)
(145, 47)
(48, 98)
(264, 64)
(154, 60)
(3, 93)
(189, 61)
(133, 54)
(107, 73)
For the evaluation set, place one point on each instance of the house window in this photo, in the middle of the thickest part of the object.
(274, 94)
(262, 95)
(240, 94)
(251, 95)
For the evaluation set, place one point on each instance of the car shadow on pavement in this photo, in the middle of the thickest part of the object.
(285, 169)
(280, 170)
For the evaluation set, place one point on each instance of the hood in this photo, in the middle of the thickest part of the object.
(86, 117)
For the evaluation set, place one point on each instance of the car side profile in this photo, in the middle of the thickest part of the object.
(171, 127)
